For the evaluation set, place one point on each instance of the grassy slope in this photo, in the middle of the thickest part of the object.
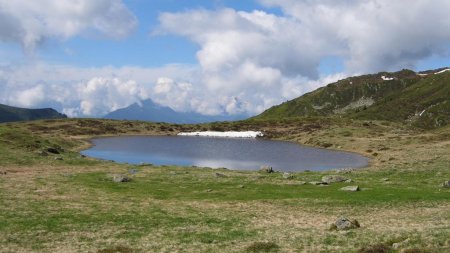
(401, 100)
(431, 95)
(10, 114)
(49, 205)
(324, 101)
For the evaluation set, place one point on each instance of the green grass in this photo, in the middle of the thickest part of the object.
(199, 184)
(73, 205)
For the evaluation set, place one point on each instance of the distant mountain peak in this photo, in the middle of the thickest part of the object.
(148, 110)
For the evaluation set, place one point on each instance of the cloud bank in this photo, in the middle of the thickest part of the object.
(31, 23)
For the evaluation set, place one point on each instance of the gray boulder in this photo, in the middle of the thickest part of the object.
(119, 178)
(333, 179)
(318, 183)
(344, 170)
(219, 175)
(133, 171)
(266, 169)
(399, 245)
(287, 175)
(352, 188)
(446, 184)
(344, 224)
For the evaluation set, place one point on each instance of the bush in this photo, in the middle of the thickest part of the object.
(262, 247)
(376, 248)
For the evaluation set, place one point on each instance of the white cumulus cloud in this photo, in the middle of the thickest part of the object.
(374, 35)
(31, 23)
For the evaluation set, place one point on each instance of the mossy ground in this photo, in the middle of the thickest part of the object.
(72, 205)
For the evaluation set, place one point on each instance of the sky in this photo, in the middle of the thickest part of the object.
(87, 58)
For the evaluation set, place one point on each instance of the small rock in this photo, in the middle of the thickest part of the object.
(209, 190)
(118, 178)
(241, 186)
(219, 175)
(353, 188)
(399, 245)
(2, 172)
(43, 153)
(133, 171)
(53, 151)
(266, 169)
(333, 179)
(385, 179)
(446, 184)
(82, 156)
(58, 158)
(348, 181)
(345, 224)
(318, 183)
(345, 170)
(287, 175)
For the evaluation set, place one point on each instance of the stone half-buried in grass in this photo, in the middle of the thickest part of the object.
(266, 169)
(343, 223)
(119, 178)
(333, 179)
(446, 184)
(351, 188)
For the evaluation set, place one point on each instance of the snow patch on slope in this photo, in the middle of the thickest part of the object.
(442, 71)
(230, 134)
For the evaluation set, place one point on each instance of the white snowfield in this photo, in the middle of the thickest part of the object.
(387, 78)
(442, 71)
(230, 134)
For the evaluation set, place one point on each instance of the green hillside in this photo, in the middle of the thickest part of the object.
(425, 104)
(405, 96)
(11, 114)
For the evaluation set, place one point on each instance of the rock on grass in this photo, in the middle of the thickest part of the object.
(344, 224)
(266, 169)
(352, 188)
(333, 179)
(118, 178)
(287, 175)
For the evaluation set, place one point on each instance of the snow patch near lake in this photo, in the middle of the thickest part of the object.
(385, 78)
(230, 134)
(442, 71)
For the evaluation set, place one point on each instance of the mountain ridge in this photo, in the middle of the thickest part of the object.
(12, 114)
(148, 110)
(420, 99)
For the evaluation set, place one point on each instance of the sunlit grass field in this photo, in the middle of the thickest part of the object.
(68, 203)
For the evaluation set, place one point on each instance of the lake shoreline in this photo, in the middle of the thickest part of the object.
(245, 154)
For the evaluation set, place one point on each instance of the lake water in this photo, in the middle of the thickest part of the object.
(231, 153)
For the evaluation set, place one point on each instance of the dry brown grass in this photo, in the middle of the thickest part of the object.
(287, 225)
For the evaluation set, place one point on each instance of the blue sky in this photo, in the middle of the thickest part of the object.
(141, 48)
(87, 58)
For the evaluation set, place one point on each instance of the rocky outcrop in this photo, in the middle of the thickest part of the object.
(344, 224)
(333, 179)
